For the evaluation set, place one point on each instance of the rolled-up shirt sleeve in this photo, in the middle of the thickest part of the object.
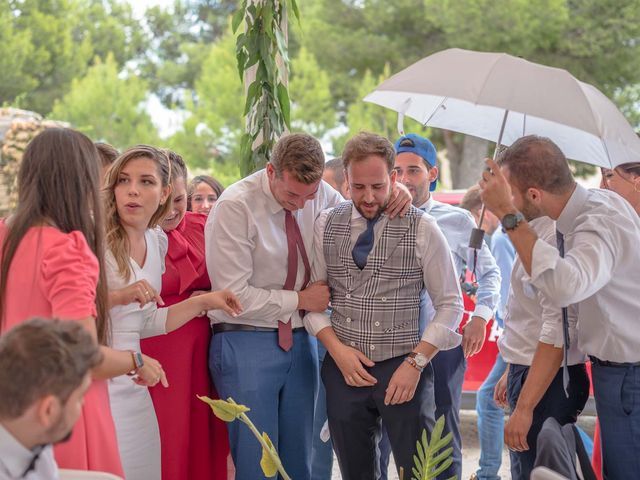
(314, 321)
(441, 283)
(230, 230)
(584, 270)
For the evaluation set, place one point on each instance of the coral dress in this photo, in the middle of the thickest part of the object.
(194, 442)
(54, 275)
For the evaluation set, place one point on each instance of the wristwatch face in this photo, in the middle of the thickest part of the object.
(420, 359)
(511, 220)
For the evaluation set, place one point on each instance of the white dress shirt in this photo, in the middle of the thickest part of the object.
(600, 272)
(246, 250)
(456, 224)
(530, 316)
(440, 278)
(15, 459)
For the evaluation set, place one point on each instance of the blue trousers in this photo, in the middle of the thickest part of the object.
(448, 376)
(280, 389)
(490, 424)
(321, 452)
(554, 403)
(617, 393)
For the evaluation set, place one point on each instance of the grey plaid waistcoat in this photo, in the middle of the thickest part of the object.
(376, 309)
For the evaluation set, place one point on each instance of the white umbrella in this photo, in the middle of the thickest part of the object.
(502, 98)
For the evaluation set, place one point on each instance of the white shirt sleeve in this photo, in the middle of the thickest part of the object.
(442, 285)
(314, 321)
(584, 270)
(229, 241)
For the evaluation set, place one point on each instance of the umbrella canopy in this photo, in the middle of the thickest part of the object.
(470, 92)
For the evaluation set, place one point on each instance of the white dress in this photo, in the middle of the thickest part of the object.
(131, 405)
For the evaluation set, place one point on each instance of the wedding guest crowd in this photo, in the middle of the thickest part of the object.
(149, 290)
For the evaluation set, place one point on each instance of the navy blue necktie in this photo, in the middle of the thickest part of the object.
(363, 245)
(565, 326)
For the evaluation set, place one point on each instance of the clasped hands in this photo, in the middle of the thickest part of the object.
(352, 363)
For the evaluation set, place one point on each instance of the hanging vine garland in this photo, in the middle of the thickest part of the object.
(263, 46)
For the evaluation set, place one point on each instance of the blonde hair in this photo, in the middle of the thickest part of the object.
(117, 239)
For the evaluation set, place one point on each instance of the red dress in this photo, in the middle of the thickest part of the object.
(54, 275)
(193, 441)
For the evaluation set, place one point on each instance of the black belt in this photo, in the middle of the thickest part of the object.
(605, 363)
(239, 327)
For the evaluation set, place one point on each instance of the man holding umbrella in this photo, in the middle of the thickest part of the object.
(594, 267)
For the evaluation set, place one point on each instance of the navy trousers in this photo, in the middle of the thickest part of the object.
(280, 389)
(554, 403)
(355, 415)
(448, 376)
(617, 392)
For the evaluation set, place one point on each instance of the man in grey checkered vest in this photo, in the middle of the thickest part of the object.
(378, 366)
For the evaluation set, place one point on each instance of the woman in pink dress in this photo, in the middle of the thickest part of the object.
(50, 266)
(194, 442)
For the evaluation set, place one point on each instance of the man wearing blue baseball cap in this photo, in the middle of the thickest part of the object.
(415, 167)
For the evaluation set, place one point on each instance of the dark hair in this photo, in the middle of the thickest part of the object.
(472, 200)
(632, 168)
(108, 153)
(537, 162)
(215, 185)
(337, 167)
(43, 357)
(366, 144)
(58, 184)
(301, 155)
(178, 167)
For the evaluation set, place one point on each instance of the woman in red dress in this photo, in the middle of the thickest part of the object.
(194, 443)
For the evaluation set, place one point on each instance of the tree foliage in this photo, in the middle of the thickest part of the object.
(107, 107)
(52, 42)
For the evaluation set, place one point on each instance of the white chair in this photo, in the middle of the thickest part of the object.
(86, 475)
(543, 473)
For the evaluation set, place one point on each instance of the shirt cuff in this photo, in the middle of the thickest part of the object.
(314, 322)
(484, 312)
(289, 304)
(544, 257)
(441, 337)
(551, 334)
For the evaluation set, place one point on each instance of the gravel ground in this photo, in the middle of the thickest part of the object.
(471, 450)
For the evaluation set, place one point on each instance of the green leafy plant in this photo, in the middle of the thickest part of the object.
(430, 460)
(228, 411)
(263, 45)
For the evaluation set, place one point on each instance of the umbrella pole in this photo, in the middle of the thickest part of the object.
(477, 234)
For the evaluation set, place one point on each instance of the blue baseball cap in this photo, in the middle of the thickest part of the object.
(422, 147)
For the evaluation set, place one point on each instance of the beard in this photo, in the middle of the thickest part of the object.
(370, 215)
(530, 211)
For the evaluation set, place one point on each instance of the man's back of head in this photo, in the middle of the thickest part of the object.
(537, 162)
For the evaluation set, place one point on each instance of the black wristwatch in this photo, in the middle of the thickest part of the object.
(511, 221)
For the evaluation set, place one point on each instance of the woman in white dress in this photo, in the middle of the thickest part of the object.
(137, 197)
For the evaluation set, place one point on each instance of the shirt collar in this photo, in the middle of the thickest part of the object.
(15, 456)
(572, 209)
(272, 203)
(428, 205)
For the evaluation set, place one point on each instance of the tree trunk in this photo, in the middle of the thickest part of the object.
(468, 160)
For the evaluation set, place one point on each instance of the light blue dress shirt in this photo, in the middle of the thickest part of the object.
(456, 225)
(504, 255)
